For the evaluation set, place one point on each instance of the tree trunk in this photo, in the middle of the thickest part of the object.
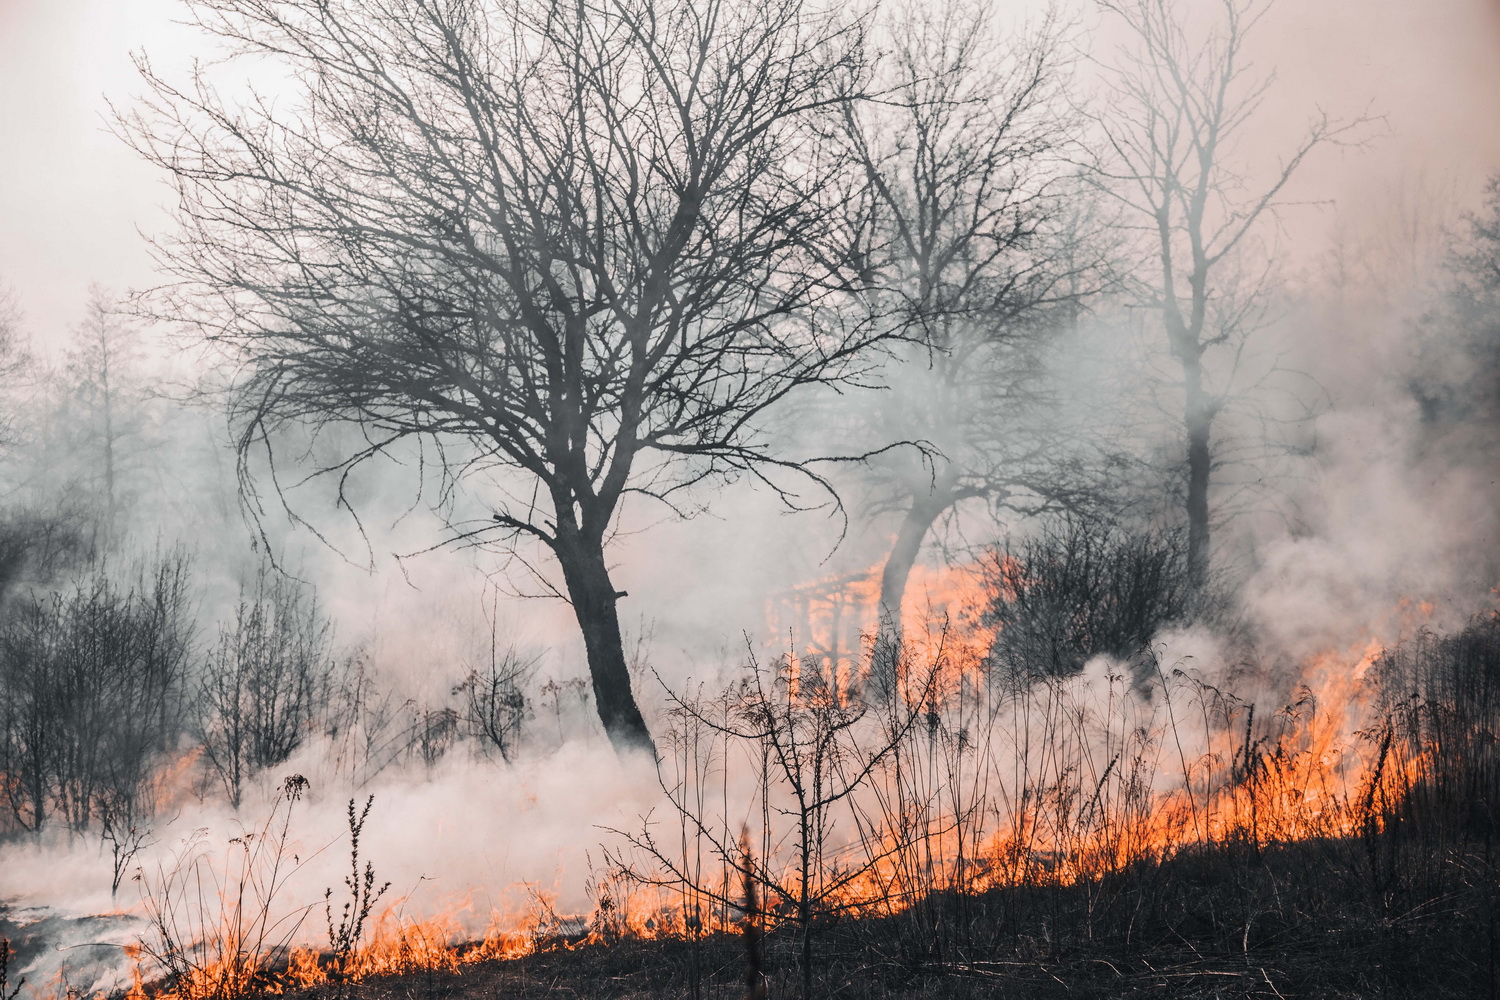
(109, 463)
(889, 637)
(1198, 419)
(804, 897)
(807, 953)
(594, 603)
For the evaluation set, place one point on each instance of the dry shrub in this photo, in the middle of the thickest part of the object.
(266, 685)
(1078, 590)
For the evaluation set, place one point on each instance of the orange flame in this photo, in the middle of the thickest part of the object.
(1094, 773)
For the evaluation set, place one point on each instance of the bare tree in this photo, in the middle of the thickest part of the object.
(16, 363)
(974, 258)
(1078, 589)
(1456, 380)
(812, 748)
(581, 245)
(1175, 111)
(267, 683)
(101, 383)
(40, 538)
(492, 700)
(94, 681)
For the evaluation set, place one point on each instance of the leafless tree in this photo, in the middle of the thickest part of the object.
(1456, 380)
(39, 547)
(15, 353)
(265, 687)
(17, 368)
(104, 395)
(813, 748)
(493, 705)
(582, 245)
(366, 722)
(94, 680)
(974, 257)
(1173, 118)
(71, 442)
(1079, 589)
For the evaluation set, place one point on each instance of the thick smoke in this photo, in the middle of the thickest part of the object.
(1382, 523)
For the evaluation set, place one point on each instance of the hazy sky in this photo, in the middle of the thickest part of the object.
(72, 196)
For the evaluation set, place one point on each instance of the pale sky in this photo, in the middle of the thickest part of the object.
(72, 196)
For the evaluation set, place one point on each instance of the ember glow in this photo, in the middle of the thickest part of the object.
(1071, 780)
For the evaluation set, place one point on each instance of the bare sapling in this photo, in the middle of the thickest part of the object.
(810, 747)
(344, 937)
(126, 839)
(7, 992)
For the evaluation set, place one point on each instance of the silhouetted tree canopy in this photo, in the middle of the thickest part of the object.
(585, 244)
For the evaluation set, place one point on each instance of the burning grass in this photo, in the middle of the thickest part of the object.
(1133, 826)
(1149, 824)
(224, 930)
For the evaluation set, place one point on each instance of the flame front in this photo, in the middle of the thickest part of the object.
(978, 786)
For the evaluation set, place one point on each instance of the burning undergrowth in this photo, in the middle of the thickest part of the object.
(971, 815)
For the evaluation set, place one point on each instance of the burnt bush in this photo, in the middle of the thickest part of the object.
(1077, 590)
(1442, 706)
(95, 682)
(266, 684)
(492, 701)
(41, 548)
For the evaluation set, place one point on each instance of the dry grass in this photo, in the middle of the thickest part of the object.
(1030, 842)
